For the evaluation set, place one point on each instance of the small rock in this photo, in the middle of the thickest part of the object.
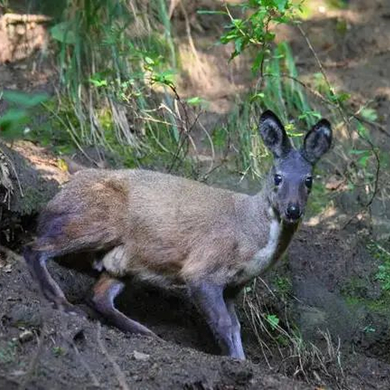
(141, 356)
(26, 336)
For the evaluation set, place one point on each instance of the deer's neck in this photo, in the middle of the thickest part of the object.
(263, 227)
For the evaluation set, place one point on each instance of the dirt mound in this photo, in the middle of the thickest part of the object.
(328, 285)
(29, 178)
(44, 348)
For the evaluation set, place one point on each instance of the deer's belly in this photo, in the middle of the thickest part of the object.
(122, 261)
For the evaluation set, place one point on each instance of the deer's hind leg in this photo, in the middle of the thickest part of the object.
(36, 262)
(61, 234)
(104, 294)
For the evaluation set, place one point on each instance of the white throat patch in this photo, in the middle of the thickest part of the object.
(264, 256)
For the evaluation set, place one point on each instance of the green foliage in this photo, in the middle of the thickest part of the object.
(59, 351)
(283, 285)
(355, 290)
(322, 86)
(114, 61)
(252, 29)
(383, 274)
(16, 117)
(273, 321)
(369, 329)
(281, 94)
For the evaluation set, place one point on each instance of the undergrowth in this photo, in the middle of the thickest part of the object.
(279, 337)
(117, 62)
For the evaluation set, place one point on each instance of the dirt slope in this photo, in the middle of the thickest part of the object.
(61, 351)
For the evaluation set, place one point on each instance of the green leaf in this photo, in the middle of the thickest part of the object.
(24, 99)
(308, 114)
(258, 96)
(98, 82)
(62, 32)
(149, 61)
(356, 151)
(368, 329)
(195, 101)
(363, 161)
(238, 44)
(269, 36)
(281, 4)
(343, 97)
(257, 61)
(273, 320)
(362, 130)
(207, 12)
(369, 113)
(166, 77)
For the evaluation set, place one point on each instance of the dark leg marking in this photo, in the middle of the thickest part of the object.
(236, 329)
(222, 320)
(36, 262)
(105, 291)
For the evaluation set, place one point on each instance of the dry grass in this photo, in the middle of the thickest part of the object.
(295, 356)
(6, 167)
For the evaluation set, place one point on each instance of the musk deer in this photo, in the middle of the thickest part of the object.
(168, 229)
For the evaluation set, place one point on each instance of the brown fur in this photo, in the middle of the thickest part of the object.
(102, 286)
(166, 226)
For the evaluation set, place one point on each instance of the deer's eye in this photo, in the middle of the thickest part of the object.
(277, 179)
(309, 182)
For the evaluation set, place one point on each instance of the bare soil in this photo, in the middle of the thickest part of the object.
(65, 351)
(42, 348)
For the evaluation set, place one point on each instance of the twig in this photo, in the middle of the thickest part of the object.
(185, 129)
(264, 49)
(380, 127)
(376, 185)
(322, 70)
(355, 115)
(118, 372)
(376, 182)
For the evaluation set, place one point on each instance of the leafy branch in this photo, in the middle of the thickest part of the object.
(252, 30)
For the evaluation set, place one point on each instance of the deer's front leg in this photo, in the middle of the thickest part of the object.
(209, 300)
(236, 329)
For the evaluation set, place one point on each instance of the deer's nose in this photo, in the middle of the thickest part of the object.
(293, 212)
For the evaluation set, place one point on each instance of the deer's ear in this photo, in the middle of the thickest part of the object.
(273, 134)
(317, 141)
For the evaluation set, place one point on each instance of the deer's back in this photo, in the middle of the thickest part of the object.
(162, 224)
